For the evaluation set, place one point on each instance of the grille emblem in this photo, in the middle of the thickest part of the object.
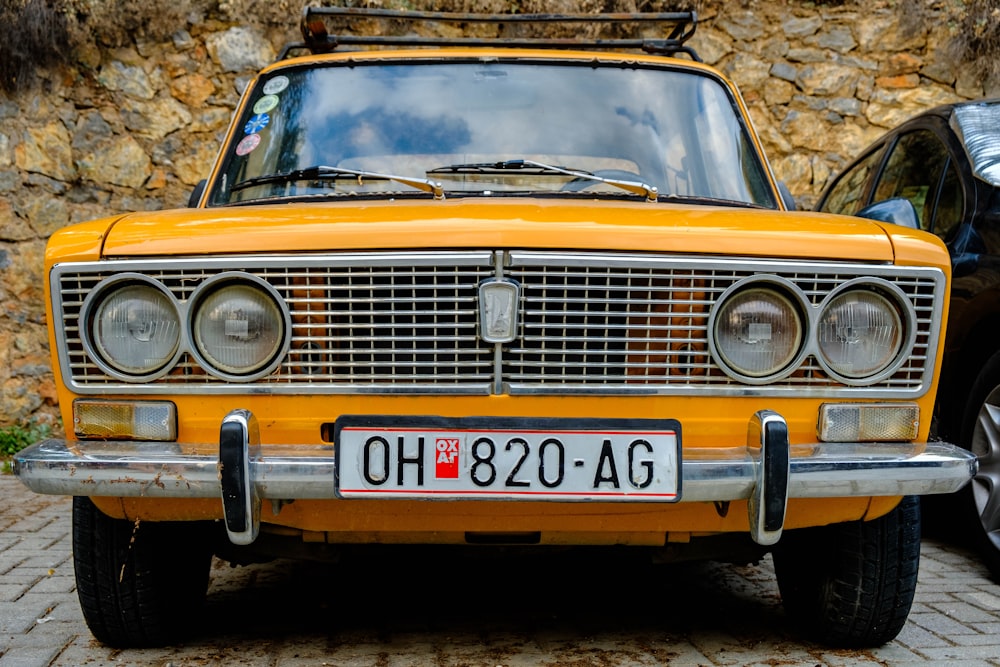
(498, 310)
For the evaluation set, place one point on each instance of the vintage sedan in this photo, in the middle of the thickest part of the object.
(494, 291)
(946, 163)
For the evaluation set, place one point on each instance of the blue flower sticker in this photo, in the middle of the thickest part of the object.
(256, 123)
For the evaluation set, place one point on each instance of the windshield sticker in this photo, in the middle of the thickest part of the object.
(250, 142)
(256, 123)
(276, 85)
(265, 104)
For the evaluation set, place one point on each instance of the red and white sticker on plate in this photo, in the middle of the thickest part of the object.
(508, 458)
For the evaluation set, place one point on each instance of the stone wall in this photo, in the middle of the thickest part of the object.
(135, 128)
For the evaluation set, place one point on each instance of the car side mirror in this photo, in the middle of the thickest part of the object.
(898, 211)
(196, 194)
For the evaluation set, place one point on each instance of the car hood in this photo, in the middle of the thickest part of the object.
(507, 223)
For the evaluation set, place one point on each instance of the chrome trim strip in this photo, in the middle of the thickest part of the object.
(287, 472)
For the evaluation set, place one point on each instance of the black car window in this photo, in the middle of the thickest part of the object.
(950, 204)
(846, 195)
(913, 171)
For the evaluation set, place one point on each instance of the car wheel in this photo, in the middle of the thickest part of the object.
(141, 583)
(851, 585)
(979, 501)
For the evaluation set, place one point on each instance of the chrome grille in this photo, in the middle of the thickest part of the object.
(409, 323)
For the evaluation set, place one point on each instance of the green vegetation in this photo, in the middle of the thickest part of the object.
(15, 438)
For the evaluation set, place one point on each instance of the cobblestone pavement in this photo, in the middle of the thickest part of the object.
(605, 612)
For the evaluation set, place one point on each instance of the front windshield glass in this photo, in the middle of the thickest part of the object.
(490, 128)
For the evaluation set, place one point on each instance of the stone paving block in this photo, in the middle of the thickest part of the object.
(29, 657)
(33, 523)
(985, 599)
(890, 654)
(529, 659)
(55, 584)
(941, 625)
(918, 638)
(363, 660)
(59, 635)
(951, 663)
(11, 591)
(835, 660)
(926, 596)
(25, 550)
(67, 610)
(20, 616)
(941, 655)
(737, 654)
(988, 628)
(83, 652)
(981, 639)
(964, 613)
(9, 561)
(950, 587)
(44, 561)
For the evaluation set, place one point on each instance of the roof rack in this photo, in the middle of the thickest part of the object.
(317, 38)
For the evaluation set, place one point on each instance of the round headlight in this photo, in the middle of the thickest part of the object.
(860, 333)
(757, 332)
(134, 329)
(238, 328)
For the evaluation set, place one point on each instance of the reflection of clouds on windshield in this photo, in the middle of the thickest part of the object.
(382, 116)
(393, 132)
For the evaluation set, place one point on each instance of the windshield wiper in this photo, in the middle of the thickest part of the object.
(504, 165)
(635, 187)
(320, 172)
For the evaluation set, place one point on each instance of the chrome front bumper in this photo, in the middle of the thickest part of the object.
(766, 472)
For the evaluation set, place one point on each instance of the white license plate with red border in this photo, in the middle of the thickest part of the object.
(508, 458)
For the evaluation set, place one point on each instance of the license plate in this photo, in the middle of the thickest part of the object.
(508, 458)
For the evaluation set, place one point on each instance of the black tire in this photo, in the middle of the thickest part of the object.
(139, 584)
(851, 585)
(978, 502)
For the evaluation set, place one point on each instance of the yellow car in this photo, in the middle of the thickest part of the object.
(483, 291)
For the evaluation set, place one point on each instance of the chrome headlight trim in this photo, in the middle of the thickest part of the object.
(783, 290)
(902, 309)
(201, 351)
(90, 313)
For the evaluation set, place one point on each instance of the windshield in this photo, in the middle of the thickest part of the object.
(490, 128)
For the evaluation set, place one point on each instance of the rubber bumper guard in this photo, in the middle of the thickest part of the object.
(239, 442)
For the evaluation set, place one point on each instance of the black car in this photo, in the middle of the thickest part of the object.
(946, 163)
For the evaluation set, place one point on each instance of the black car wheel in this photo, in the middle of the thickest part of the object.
(980, 499)
(851, 585)
(142, 583)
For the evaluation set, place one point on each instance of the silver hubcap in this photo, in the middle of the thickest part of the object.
(986, 484)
